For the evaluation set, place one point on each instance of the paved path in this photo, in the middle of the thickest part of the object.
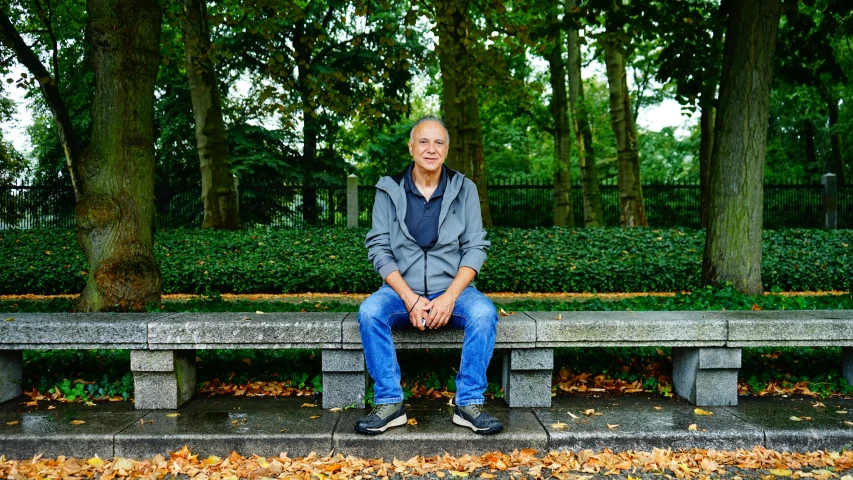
(268, 426)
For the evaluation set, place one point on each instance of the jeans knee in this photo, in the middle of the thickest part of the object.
(482, 315)
(370, 311)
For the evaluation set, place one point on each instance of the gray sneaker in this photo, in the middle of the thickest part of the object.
(477, 419)
(381, 418)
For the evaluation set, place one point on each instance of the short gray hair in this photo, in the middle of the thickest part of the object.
(429, 118)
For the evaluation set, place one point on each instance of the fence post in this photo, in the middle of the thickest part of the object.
(830, 200)
(352, 201)
(237, 193)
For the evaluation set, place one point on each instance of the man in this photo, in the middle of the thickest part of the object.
(428, 244)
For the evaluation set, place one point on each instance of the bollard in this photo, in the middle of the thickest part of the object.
(830, 200)
(352, 201)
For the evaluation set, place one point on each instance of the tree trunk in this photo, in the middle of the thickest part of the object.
(733, 240)
(811, 155)
(310, 214)
(706, 149)
(593, 212)
(631, 210)
(835, 141)
(115, 206)
(563, 213)
(217, 182)
(460, 98)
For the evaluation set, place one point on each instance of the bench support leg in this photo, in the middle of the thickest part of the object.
(163, 379)
(11, 374)
(847, 364)
(344, 378)
(706, 376)
(527, 376)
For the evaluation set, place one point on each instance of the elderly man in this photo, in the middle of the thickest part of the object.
(428, 244)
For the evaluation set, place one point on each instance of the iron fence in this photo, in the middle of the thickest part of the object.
(512, 204)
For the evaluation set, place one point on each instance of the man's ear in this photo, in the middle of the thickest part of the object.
(412, 153)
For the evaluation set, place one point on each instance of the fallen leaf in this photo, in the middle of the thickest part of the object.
(848, 423)
(259, 312)
(780, 473)
(439, 474)
(819, 405)
(77, 422)
(412, 421)
(841, 411)
(336, 409)
(794, 419)
(590, 412)
(503, 313)
(755, 307)
(51, 407)
(309, 405)
(211, 460)
(89, 404)
(10, 319)
(123, 464)
(95, 462)
(660, 352)
(314, 416)
(658, 408)
(172, 415)
(489, 475)
(333, 468)
(559, 425)
(247, 361)
(14, 422)
(458, 474)
(612, 426)
(699, 411)
(693, 426)
(573, 415)
(559, 316)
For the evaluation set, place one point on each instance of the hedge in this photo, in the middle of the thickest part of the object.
(520, 260)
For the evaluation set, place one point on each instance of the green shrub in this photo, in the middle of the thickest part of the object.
(520, 260)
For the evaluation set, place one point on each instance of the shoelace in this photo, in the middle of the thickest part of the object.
(475, 410)
(377, 410)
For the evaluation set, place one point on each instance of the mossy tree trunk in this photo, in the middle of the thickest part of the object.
(217, 182)
(460, 97)
(733, 240)
(632, 213)
(115, 189)
(563, 213)
(593, 212)
(706, 149)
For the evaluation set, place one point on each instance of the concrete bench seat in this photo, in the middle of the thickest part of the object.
(706, 346)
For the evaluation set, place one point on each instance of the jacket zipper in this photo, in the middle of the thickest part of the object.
(426, 290)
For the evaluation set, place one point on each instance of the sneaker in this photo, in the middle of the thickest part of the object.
(381, 418)
(477, 419)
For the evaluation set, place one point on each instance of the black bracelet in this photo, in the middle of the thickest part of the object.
(413, 305)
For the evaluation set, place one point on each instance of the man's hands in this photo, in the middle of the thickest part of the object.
(436, 313)
(417, 311)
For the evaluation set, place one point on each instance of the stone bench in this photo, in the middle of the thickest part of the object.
(706, 346)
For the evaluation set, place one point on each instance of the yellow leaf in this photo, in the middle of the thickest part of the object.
(848, 423)
(658, 408)
(314, 416)
(819, 405)
(15, 422)
(559, 425)
(412, 421)
(795, 419)
(95, 462)
(589, 411)
(503, 313)
(309, 405)
(699, 411)
(458, 474)
(693, 426)
(780, 473)
(211, 460)
(172, 415)
(51, 407)
(559, 316)
(439, 474)
(77, 422)
(247, 361)
(336, 409)
(259, 312)
(847, 477)
(841, 411)
(487, 475)
(123, 464)
(612, 426)
(573, 415)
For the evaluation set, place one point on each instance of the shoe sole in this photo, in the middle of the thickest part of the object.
(399, 421)
(482, 431)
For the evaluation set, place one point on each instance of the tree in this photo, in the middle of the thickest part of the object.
(217, 185)
(632, 213)
(592, 210)
(457, 48)
(113, 177)
(563, 212)
(733, 240)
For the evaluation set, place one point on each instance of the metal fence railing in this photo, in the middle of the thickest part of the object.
(527, 205)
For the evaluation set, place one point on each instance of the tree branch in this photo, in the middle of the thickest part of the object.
(25, 55)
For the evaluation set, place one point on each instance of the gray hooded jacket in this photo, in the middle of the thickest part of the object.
(461, 238)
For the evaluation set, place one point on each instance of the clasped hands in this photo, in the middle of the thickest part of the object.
(430, 314)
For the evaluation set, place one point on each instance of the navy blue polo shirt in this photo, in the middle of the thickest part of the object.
(422, 215)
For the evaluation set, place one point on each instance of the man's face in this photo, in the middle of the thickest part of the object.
(428, 146)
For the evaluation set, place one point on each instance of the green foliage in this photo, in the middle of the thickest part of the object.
(334, 260)
(85, 374)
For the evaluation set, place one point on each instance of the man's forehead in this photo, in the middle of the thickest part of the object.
(430, 129)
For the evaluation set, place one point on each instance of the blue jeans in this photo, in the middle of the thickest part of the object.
(384, 310)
